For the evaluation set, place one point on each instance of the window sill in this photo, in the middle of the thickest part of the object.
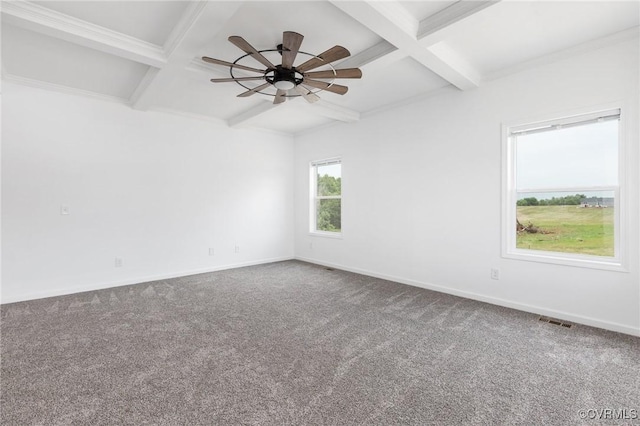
(334, 235)
(591, 262)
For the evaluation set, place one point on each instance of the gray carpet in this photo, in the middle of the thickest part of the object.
(292, 343)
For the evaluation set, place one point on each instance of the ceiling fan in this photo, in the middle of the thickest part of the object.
(288, 80)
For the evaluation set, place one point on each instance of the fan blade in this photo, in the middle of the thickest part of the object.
(229, 64)
(226, 80)
(254, 90)
(244, 45)
(291, 41)
(328, 56)
(335, 88)
(307, 95)
(280, 97)
(343, 73)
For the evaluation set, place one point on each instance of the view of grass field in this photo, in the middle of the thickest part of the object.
(567, 229)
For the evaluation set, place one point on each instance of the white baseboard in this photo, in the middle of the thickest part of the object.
(134, 280)
(578, 319)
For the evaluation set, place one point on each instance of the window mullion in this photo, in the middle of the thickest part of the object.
(567, 189)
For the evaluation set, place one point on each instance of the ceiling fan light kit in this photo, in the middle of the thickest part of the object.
(288, 80)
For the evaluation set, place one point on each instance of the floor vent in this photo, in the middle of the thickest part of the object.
(555, 322)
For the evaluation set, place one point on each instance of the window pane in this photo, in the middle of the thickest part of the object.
(570, 223)
(328, 215)
(329, 180)
(579, 156)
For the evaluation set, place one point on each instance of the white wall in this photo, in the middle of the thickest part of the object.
(422, 192)
(154, 189)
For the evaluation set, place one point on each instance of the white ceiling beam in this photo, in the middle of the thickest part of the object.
(377, 58)
(252, 112)
(442, 22)
(390, 21)
(398, 15)
(204, 70)
(144, 84)
(335, 112)
(383, 53)
(450, 56)
(421, 40)
(322, 108)
(74, 91)
(199, 23)
(187, 21)
(37, 18)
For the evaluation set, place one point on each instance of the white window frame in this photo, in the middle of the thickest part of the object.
(313, 179)
(509, 194)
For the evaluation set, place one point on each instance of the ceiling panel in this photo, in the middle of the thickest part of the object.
(35, 56)
(150, 21)
(199, 96)
(509, 33)
(262, 24)
(405, 78)
(292, 116)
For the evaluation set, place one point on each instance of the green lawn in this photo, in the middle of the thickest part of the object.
(569, 229)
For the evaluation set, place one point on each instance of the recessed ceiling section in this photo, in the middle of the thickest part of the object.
(198, 96)
(403, 79)
(509, 33)
(262, 24)
(291, 117)
(146, 20)
(34, 56)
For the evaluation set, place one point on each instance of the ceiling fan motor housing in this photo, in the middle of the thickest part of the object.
(283, 78)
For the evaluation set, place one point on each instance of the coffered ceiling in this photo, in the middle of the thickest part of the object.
(146, 54)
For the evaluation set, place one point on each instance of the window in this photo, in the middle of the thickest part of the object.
(562, 202)
(326, 181)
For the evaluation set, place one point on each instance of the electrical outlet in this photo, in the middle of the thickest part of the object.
(237, 249)
(118, 262)
(495, 274)
(211, 251)
(311, 246)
